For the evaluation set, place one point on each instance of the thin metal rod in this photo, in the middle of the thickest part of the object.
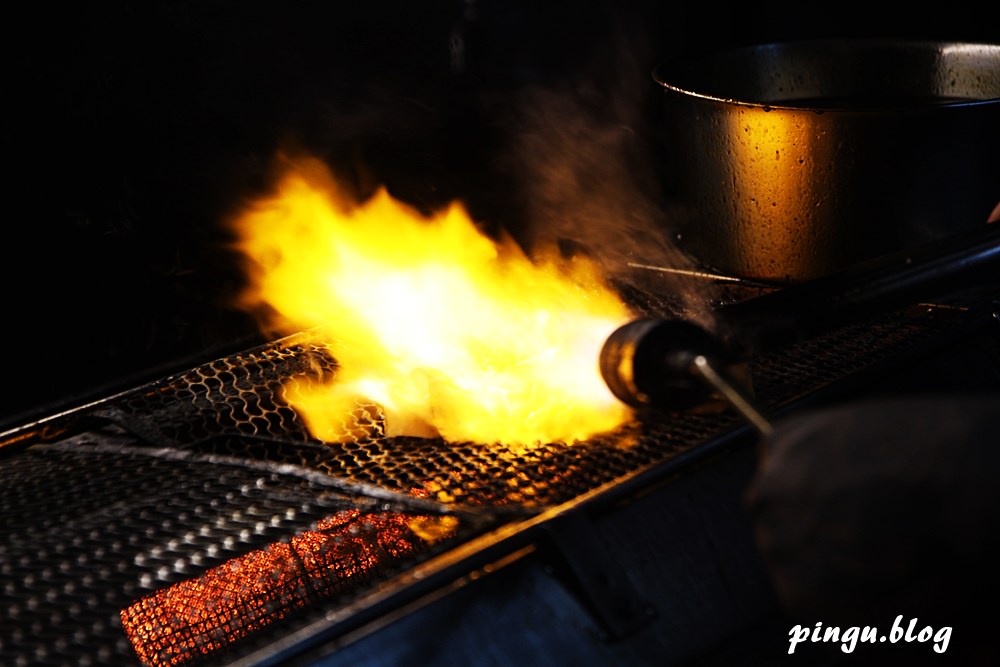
(732, 392)
(687, 272)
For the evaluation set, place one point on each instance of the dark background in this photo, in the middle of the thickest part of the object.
(132, 130)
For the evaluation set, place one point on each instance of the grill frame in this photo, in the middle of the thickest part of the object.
(151, 417)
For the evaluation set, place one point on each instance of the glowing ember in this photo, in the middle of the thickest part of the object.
(200, 616)
(450, 332)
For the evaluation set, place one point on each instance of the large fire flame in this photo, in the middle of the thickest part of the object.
(452, 333)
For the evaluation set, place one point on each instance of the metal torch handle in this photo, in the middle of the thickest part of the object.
(731, 390)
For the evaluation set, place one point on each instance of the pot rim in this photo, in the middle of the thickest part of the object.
(702, 75)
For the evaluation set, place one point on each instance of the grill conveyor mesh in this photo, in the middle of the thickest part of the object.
(175, 520)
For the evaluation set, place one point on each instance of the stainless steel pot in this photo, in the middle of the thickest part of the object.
(786, 162)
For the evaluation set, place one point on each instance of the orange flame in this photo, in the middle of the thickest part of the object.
(450, 332)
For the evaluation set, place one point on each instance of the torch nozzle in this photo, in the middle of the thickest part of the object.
(673, 365)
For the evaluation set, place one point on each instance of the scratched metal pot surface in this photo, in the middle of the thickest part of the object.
(788, 161)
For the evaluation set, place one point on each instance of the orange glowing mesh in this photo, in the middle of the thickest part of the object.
(452, 333)
(199, 617)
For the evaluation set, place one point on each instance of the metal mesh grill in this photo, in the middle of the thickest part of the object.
(107, 549)
(204, 615)
(175, 520)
